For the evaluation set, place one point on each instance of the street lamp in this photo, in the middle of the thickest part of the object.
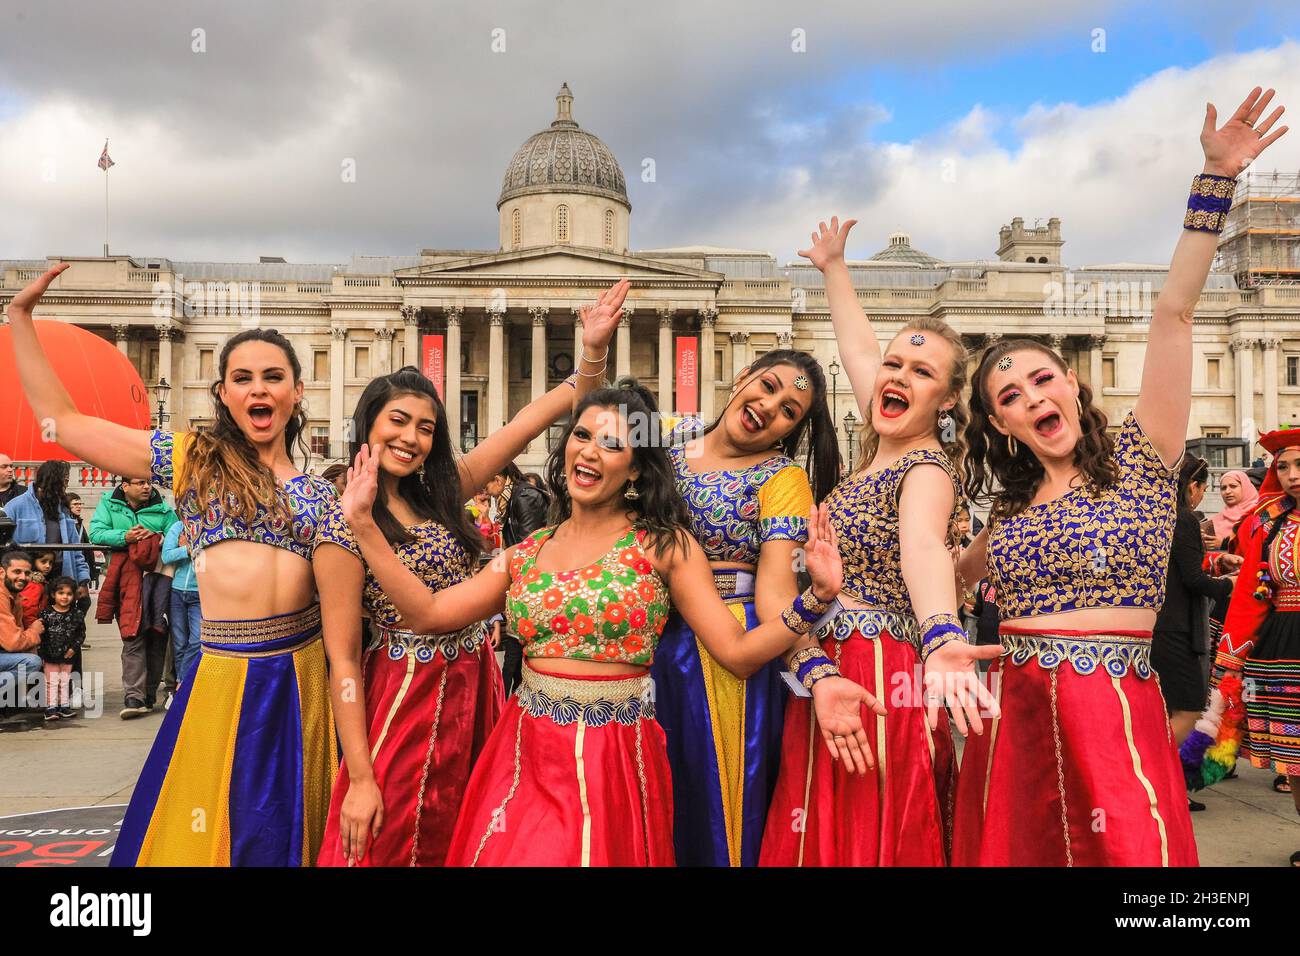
(834, 369)
(851, 430)
(161, 389)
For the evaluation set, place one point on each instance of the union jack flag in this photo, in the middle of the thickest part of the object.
(104, 160)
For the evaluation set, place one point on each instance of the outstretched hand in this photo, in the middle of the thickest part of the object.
(1234, 146)
(24, 303)
(838, 703)
(363, 485)
(600, 320)
(952, 678)
(828, 244)
(822, 554)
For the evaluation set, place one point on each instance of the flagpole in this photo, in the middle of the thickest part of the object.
(105, 209)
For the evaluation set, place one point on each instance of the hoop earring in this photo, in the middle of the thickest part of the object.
(1078, 403)
(631, 494)
(1012, 446)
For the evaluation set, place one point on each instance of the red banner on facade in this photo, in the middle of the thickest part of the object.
(688, 375)
(431, 361)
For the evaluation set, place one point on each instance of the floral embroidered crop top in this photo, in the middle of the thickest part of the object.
(1079, 551)
(435, 557)
(612, 611)
(734, 511)
(206, 522)
(864, 511)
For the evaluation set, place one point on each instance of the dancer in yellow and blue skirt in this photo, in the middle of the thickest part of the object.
(748, 502)
(241, 769)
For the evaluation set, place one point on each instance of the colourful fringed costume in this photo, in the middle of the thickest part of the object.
(1260, 645)
(576, 771)
(241, 770)
(822, 815)
(724, 733)
(1080, 769)
(431, 702)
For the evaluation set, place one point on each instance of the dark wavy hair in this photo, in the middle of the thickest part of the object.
(822, 459)
(1010, 481)
(222, 464)
(433, 492)
(660, 510)
(51, 487)
(1193, 469)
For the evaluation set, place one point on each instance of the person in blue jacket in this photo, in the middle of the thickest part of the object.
(41, 516)
(185, 611)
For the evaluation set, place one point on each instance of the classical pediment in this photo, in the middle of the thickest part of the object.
(556, 261)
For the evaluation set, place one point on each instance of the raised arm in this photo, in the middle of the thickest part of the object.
(423, 611)
(500, 448)
(859, 348)
(1165, 400)
(108, 445)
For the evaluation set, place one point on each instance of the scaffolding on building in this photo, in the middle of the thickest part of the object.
(1260, 244)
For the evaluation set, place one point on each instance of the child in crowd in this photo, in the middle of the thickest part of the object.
(34, 598)
(65, 632)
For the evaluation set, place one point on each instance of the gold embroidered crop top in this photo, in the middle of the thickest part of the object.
(1080, 550)
(434, 556)
(206, 521)
(864, 511)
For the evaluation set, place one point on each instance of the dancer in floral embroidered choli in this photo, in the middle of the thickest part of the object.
(576, 771)
(1081, 768)
(748, 502)
(412, 729)
(895, 515)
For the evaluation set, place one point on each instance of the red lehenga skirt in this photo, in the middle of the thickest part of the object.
(1081, 768)
(431, 704)
(575, 774)
(822, 815)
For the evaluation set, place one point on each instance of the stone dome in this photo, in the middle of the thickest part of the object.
(564, 159)
(900, 250)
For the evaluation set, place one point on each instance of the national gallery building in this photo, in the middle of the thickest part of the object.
(496, 327)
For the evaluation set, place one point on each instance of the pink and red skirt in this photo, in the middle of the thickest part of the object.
(431, 704)
(1081, 768)
(822, 815)
(575, 774)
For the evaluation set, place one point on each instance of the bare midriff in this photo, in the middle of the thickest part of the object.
(245, 580)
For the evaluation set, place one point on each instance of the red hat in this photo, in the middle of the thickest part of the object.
(1274, 442)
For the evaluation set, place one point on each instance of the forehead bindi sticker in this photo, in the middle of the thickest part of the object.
(1004, 363)
(917, 339)
(801, 383)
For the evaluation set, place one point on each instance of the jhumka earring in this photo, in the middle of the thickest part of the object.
(631, 494)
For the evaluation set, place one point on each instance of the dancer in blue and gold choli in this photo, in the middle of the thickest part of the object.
(748, 501)
(241, 769)
(249, 738)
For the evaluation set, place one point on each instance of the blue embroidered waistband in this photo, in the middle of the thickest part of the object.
(871, 624)
(1115, 654)
(424, 647)
(565, 700)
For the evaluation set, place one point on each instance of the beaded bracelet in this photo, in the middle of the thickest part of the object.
(938, 630)
(1209, 202)
(572, 382)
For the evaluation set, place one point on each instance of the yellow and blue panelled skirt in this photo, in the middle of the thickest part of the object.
(724, 737)
(241, 771)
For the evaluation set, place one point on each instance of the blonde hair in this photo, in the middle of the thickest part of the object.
(955, 448)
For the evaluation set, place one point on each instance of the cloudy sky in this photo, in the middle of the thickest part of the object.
(231, 122)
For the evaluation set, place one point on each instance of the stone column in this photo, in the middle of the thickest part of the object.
(165, 365)
(411, 332)
(708, 319)
(451, 368)
(384, 346)
(623, 350)
(739, 352)
(540, 315)
(1096, 372)
(1244, 353)
(496, 371)
(121, 332)
(666, 358)
(785, 339)
(1270, 346)
(339, 436)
